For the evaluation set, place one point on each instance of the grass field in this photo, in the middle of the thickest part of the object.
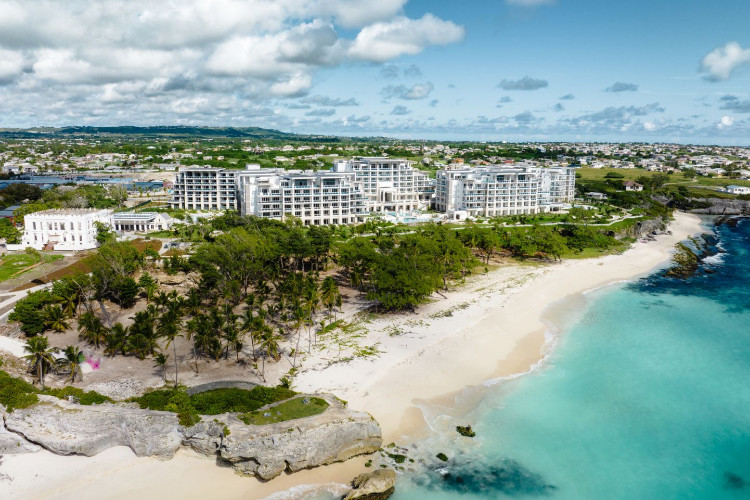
(11, 265)
(631, 174)
(288, 410)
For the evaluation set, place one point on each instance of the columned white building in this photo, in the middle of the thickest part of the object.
(63, 229)
(141, 222)
(501, 190)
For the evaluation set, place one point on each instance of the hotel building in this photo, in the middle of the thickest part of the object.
(500, 190)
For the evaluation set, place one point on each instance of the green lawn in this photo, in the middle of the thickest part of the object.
(15, 263)
(631, 174)
(288, 410)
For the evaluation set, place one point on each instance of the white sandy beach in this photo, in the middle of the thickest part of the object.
(491, 327)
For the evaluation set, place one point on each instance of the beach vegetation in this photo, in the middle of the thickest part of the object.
(292, 409)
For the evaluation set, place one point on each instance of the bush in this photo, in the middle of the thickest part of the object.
(83, 397)
(16, 393)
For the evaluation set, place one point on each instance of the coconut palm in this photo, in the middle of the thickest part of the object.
(54, 318)
(329, 293)
(72, 360)
(116, 339)
(41, 357)
(168, 326)
(311, 300)
(160, 361)
(91, 329)
(269, 346)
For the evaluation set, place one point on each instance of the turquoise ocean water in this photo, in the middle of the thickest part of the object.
(646, 395)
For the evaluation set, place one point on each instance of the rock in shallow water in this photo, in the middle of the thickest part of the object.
(375, 485)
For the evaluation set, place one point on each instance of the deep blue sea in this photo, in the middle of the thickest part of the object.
(646, 395)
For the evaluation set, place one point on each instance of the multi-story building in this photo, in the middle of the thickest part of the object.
(390, 184)
(62, 229)
(205, 188)
(317, 198)
(503, 190)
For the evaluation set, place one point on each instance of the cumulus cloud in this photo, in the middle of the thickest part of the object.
(400, 110)
(525, 83)
(526, 117)
(381, 42)
(175, 60)
(622, 87)
(567, 97)
(720, 63)
(725, 122)
(417, 91)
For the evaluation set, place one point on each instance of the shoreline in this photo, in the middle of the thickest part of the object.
(441, 340)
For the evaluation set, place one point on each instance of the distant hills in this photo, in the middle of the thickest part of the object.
(172, 132)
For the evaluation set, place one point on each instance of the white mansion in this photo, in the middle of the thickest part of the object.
(354, 188)
(63, 229)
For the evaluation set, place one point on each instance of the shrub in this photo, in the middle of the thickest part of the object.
(238, 400)
(83, 397)
(16, 393)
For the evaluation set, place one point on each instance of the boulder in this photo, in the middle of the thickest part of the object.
(376, 485)
(266, 451)
(69, 429)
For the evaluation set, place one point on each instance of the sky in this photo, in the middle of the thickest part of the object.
(484, 70)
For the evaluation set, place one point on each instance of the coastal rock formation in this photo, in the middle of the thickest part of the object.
(376, 485)
(66, 428)
(722, 206)
(265, 451)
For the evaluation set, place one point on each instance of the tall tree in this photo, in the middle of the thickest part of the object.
(41, 357)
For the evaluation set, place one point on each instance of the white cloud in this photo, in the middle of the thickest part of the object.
(172, 58)
(650, 126)
(417, 91)
(381, 42)
(722, 61)
(725, 122)
(11, 65)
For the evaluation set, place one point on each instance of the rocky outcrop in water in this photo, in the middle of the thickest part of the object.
(265, 451)
(376, 485)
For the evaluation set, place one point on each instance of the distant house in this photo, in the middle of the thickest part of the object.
(596, 196)
(732, 189)
(632, 186)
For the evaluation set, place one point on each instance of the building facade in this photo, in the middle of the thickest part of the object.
(390, 184)
(205, 188)
(502, 190)
(140, 222)
(316, 198)
(63, 229)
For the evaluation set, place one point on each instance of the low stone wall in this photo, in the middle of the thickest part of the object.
(221, 384)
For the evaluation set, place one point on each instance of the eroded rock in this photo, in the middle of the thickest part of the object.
(376, 485)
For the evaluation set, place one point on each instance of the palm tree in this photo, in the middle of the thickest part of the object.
(69, 303)
(41, 356)
(91, 329)
(160, 361)
(54, 318)
(169, 327)
(269, 346)
(329, 293)
(116, 339)
(247, 324)
(72, 361)
(311, 298)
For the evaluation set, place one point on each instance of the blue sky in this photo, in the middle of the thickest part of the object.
(483, 70)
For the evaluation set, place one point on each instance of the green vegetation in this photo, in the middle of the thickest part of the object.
(16, 393)
(214, 402)
(465, 430)
(442, 457)
(12, 265)
(288, 410)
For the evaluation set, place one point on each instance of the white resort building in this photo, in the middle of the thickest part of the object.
(390, 184)
(499, 190)
(140, 222)
(63, 229)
